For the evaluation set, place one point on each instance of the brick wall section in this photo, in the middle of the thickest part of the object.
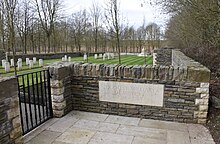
(10, 125)
(163, 56)
(185, 93)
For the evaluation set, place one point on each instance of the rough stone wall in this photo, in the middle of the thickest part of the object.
(163, 56)
(185, 94)
(181, 60)
(10, 124)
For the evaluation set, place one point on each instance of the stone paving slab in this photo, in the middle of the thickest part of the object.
(142, 132)
(75, 136)
(89, 116)
(163, 125)
(143, 140)
(63, 124)
(92, 128)
(110, 138)
(123, 120)
(177, 137)
(39, 130)
(98, 126)
(45, 137)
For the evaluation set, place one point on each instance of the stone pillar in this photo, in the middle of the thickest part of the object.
(202, 102)
(10, 123)
(58, 84)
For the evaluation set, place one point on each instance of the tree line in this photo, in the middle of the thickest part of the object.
(41, 26)
(195, 28)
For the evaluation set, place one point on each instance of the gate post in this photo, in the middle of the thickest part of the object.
(60, 99)
(10, 120)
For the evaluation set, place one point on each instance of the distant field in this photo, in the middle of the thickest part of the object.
(127, 60)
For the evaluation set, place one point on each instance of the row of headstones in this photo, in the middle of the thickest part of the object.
(101, 56)
(6, 65)
(65, 59)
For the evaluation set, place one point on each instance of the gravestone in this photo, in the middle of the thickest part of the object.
(104, 56)
(7, 67)
(34, 60)
(12, 62)
(19, 63)
(20, 59)
(109, 56)
(41, 62)
(65, 58)
(100, 55)
(3, 63)
(85, 57)
(95, 56)
(31, 63)
(112, 55)
(69, 59)
(27, 61)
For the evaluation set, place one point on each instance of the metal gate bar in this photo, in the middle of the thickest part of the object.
(34, 99)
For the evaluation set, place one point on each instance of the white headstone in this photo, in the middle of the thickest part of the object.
(31, 63)
(27, 61)
(41, 62)
(69, 59)
(3, 63)
(85, 57)
(7, 67)
(19, 63)
(100, 55)
(12, 62)
(95, 56)
(20, 59)
(65, 58)
(109, 56)
(113, 56)
(34, 60)
(104, 56)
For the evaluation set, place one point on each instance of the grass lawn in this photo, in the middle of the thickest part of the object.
(127, 60)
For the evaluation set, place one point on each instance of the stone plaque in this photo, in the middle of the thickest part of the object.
(131, 93)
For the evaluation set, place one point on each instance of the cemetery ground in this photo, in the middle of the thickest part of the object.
(127, 60)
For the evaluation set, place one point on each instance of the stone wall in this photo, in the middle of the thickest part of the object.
(163, 56)
(10, 125)
(185, 98)
(181, 60)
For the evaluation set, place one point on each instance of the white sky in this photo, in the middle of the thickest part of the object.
(133, 10)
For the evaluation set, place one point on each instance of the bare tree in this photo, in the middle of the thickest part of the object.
(95, 13)
(24, 17)
(79, 24)
(113, 18)
(48, 12)
(10, 7)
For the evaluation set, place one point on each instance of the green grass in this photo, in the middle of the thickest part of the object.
(126, 60)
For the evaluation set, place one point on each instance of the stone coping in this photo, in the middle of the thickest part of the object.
(146, 72)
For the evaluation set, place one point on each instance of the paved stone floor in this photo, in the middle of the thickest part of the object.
(92, 128)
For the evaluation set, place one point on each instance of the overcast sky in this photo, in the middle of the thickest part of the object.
(133, 10)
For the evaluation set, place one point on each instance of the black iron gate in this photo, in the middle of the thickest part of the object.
(34, 99)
